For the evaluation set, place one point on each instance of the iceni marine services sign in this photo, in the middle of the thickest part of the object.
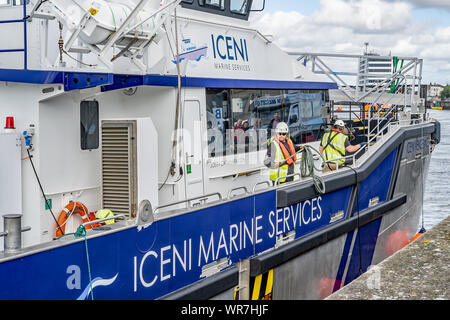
(230, 53)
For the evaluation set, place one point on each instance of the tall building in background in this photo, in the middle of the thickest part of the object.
(375, 69)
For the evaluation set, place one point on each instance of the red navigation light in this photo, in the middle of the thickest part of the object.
(9, 123)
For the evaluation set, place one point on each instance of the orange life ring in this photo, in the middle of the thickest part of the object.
(72, 208)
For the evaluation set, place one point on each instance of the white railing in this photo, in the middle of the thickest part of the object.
(408, 76)
(390, 129)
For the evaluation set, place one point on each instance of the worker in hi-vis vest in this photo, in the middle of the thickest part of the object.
(335, 145)
(280, 157)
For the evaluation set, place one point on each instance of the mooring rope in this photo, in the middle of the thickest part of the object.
(308, 168)
(81, 233)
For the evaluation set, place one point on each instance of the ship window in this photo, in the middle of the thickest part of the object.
(220, 4)
(12, 2)
(242, 120)
(380, 70)
(89, 125)
(384, 65)
(293, 117)
(236, 9)
(239, 6)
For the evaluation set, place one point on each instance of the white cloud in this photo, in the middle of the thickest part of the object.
(443, 34)
(364, 15)
(444, 4)
(343, 26)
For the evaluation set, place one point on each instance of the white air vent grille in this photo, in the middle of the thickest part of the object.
(118, 179)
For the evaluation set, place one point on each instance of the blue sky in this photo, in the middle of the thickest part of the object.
(306, 7)
(419, 28)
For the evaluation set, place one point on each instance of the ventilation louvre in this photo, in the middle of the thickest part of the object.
(118, 167)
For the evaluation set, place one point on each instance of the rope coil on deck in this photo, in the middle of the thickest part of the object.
(308, 168)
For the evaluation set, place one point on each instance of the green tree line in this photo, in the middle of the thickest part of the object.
(445, 94)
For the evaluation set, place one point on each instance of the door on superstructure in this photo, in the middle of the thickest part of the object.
(193, 149)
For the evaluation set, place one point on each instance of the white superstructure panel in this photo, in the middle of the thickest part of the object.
(10, 176)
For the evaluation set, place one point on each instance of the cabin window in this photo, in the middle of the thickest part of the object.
(294, 115)
(242, 120)
(239, 6)
(237, 9)
(220, 4)
(12, 2)
(89, 125)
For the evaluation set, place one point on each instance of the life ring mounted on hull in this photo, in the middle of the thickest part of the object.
(70, 209)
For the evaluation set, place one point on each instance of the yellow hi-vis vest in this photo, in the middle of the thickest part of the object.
(279, 157)
(105, 213)
(334, 148)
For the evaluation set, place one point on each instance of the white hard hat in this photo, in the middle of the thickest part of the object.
(339, 123)
(282, 127)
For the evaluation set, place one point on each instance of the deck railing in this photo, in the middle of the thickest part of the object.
(25, 46)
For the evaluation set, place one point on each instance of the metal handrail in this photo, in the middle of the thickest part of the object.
(188, 200)
(235, 189)
(269, 184)
(288, 176)
(103, 220)
(25, 38)
(377, 115)
(380, 133)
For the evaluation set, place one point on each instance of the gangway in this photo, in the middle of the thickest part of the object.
(392, 98)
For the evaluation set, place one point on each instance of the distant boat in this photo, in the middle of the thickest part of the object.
(443, 105)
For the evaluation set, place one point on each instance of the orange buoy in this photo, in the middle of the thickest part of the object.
(73, 208)
(416, 237)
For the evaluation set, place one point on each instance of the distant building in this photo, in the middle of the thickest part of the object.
(375, 69)
(434, 91)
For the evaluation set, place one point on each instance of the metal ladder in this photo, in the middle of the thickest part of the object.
(127, 38)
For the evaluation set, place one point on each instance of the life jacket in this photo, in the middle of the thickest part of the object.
(281, 153)
(286, 152)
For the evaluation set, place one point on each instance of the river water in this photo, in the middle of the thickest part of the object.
(436, 205)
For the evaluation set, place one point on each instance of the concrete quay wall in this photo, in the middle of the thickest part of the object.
(419, 271)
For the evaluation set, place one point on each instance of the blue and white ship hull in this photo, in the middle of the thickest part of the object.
(337, 235)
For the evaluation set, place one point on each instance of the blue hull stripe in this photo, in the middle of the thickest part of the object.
(340, 274)
(376, 185)
(363, 250)
(31, 76)
(117, 81)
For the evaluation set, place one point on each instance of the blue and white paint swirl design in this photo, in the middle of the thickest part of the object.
(96, 283)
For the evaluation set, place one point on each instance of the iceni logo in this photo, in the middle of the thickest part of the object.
(229, 48)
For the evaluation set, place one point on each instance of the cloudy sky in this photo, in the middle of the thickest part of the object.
(413, 28)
